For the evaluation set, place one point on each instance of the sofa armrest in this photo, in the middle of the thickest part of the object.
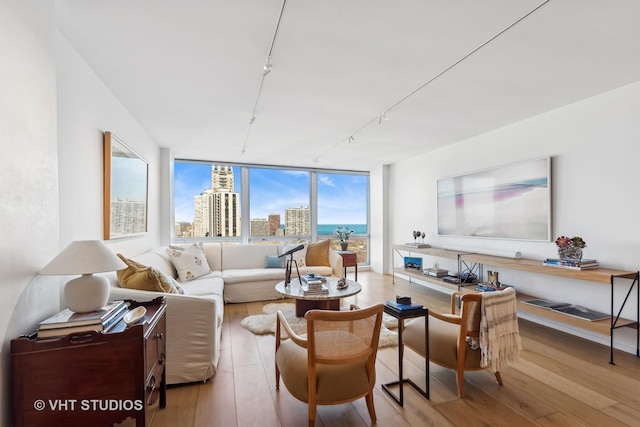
(336, 263)
(193, 332)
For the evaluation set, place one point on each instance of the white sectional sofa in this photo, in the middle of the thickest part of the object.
(238, 273)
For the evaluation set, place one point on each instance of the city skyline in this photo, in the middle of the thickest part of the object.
(342, 198)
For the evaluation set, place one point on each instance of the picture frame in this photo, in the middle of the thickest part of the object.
(126, 177)
(512, 201)
(413, 263)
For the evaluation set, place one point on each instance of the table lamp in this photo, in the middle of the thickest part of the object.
(87, 292)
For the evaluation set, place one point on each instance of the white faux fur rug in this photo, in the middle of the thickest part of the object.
(261, 324)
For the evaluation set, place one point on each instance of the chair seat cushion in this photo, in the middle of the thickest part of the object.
(443, 343)
(336, 383)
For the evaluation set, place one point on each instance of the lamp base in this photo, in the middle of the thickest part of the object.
(87, 293)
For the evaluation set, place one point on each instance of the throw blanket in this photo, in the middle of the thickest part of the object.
(500, 343)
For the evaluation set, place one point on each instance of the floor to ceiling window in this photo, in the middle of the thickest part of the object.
(246, 203)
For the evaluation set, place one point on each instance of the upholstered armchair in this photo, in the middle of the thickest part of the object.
(335, 362)
(482, 335)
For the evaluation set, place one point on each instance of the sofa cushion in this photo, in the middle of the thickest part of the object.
(318, 253)
(252, 275)
(139, 276)
(274, 261)
(190, 262)
(246, 255)
(210, 284)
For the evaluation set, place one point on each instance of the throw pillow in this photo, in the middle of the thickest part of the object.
(142, 277)
(190, 262)
(318, 253)
(273, 261)
(298, 256)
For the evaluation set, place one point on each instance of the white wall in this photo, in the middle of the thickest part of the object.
(595, 151)
(87, 108)
(28, 172)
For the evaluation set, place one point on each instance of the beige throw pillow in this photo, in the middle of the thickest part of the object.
(190, 262)
(142, 277)
(318, 253)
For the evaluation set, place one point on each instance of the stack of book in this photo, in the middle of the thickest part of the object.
(68, 322)
(584, 264)
(403, 308)
(314, 289)
(435, 272)
(312, 279)
(490, 287)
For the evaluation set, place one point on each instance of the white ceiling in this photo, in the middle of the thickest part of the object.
(189, 70)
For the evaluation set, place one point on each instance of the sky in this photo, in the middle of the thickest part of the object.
(342, 198)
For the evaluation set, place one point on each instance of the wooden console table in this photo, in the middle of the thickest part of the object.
(474, 262)
(92, 378)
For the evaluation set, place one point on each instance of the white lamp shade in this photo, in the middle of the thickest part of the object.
(84, 257)
(87, 292)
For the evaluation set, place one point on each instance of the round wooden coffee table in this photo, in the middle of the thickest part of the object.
(330, 301)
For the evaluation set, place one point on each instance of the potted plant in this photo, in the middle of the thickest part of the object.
(570, 247)
(343, 234)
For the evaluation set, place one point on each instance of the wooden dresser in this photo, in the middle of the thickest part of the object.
(92, 379)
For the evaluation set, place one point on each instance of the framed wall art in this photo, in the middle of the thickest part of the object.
(509, 202)
(125, 190)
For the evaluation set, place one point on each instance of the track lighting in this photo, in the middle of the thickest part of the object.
(351, 139)
(252, 119)
(382, 117)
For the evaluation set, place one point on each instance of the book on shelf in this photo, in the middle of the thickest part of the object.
(418, 245)
(571, 265)
(490, 287)
(435, 272)
(561, 262)
(104, 325)
(569, 309)
(68, 318)
(403, 307)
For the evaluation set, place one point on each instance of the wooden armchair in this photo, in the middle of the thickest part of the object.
(454, 339)
(335, 363)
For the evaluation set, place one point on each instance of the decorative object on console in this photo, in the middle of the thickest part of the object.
(343, 234)
(413, 263)
(492, 277)
(570, 247)
(87, 292)
(416, 244)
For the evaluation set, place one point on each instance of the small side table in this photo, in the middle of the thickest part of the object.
(349, 259)
(401, 316)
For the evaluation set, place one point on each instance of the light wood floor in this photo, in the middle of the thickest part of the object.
(561, 380)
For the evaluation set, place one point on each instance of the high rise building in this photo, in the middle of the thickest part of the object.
(274, 224)
(297, 221)
(217, 209)
(259, 227)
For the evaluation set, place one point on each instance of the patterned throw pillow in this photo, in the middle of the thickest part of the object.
(190, 262)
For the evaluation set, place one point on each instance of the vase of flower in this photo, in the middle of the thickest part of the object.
(570, 247)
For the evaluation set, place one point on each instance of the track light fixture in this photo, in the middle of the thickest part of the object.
(382, 117)
(252, 119)
(351, 139)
